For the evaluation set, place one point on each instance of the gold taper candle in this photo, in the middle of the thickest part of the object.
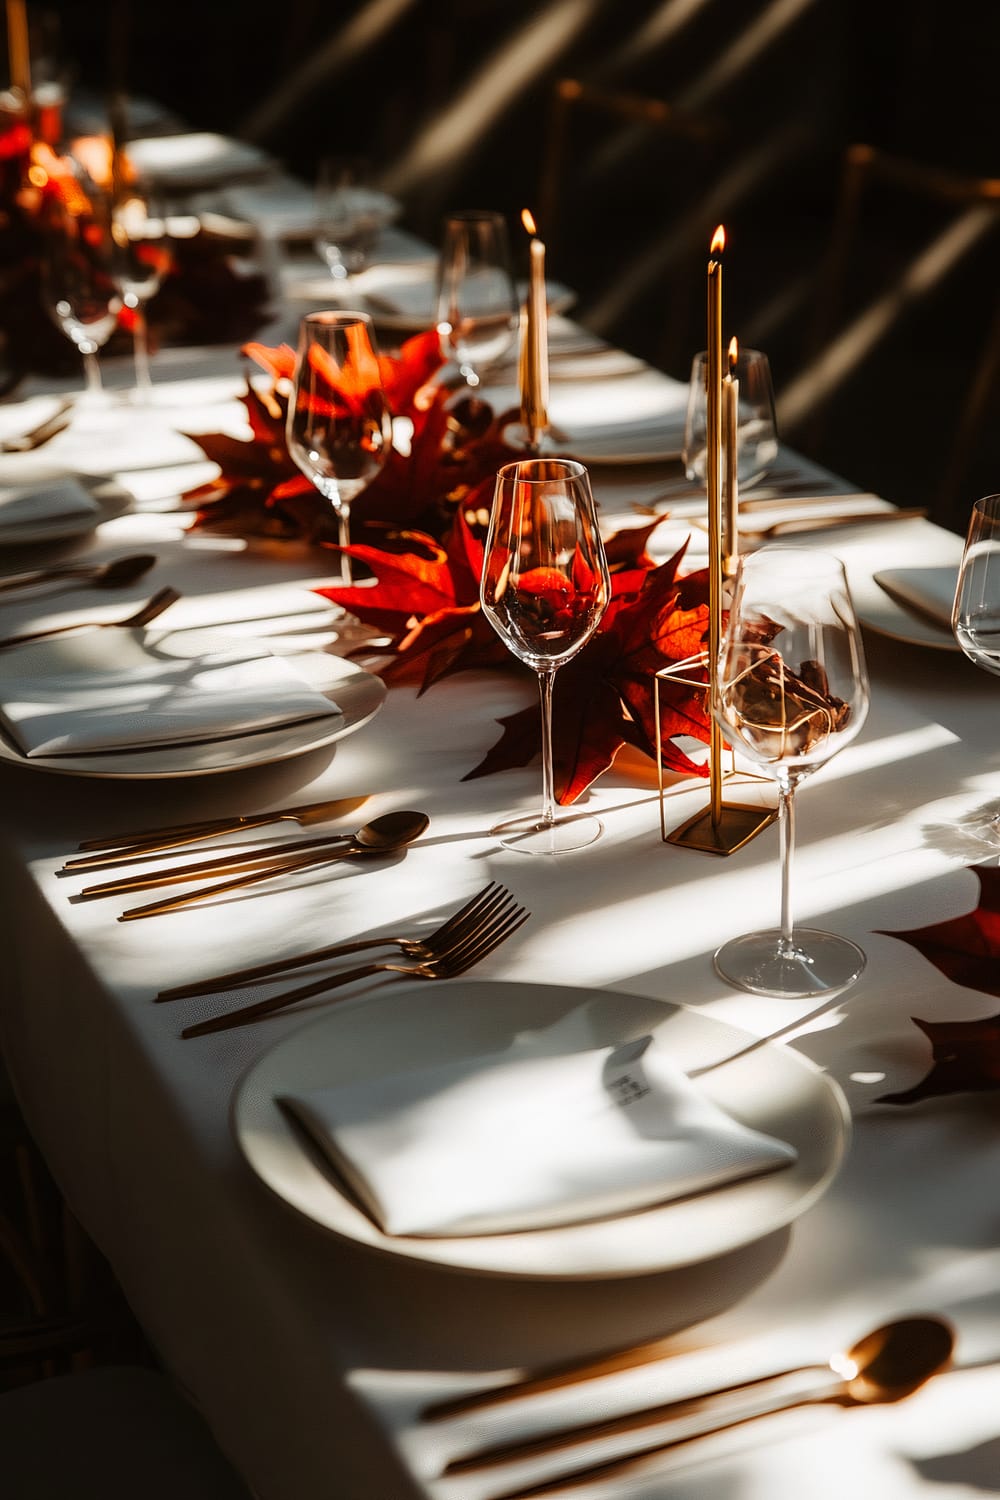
(535, 365)
(730, 439)
(18, 49)
(713, 477)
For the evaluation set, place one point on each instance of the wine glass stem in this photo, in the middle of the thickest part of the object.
(92, 374)
(545, 681)
(786, 827)
(140, 350)
(344, 536)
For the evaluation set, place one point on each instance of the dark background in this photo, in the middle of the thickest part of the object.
(452, 100)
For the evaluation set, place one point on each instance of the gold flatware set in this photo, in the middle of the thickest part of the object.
(887, 1365)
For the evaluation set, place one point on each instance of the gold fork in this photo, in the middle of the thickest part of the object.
(471, 950)
(492, 901)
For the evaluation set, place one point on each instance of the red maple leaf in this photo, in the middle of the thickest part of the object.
(603, 697)
(427, 599)
(260, 490)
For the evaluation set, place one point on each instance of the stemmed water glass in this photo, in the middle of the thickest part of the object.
(79, 291)
(975, 616)
(477, 306)
(791, 690)
(338, 428)
(141, 259)
(545, 587)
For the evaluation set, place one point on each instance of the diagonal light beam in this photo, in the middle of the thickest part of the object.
(844, 353)
(742, 52)
(632, 280)
(506, 74)
(357, 37)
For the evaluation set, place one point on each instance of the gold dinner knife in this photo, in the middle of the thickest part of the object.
(129, 846)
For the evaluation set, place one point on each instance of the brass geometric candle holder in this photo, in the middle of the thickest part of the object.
(722, 827)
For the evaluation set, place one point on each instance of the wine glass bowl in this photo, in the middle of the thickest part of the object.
(791, 690)
(756, 424)
(338, 428)
(544, 590)
(350, 215)
(78, 285)
(976, 612)
(477, 305)
(141, 260)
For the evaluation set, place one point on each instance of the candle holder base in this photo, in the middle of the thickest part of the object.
(735, 826)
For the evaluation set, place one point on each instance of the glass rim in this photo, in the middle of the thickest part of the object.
(475, 216)
(565, 468)
(336, 318)
(820, 561)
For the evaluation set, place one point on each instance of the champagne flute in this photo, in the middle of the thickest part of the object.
(791, 689)
(338, 428)
(77, 272)
(141, 259)
(477, 306)
(975, 616)
(545, 587)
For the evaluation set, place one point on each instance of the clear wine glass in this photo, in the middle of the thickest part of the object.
(141, 259)
(545, 587)
(791, 689)
(477, 305)
(77, 273)
(975, 616)
(349, 215)
(338, 429)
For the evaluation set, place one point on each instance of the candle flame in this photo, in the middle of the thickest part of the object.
(718, 240)
(734, 353)
(528, 221)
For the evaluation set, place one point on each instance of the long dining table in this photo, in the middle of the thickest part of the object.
(314, 1347)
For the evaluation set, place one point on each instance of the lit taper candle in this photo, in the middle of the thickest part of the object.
(730, 440)
(713, 478)
(18, 49)
(535, 358)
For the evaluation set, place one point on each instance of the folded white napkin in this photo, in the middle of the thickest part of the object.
(115, 689)
(519, 1140)
(44, 500)
(197, 157)
(930, 591)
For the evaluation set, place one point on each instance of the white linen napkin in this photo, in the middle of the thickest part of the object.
(198, 157)
(105, 690)
(930, 591)
(44, 500)
(521, 1140)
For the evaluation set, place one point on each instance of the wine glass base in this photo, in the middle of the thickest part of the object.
(533, 836)
(818, 963)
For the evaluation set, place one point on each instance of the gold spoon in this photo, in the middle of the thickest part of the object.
(381, 836)
(887, 1365)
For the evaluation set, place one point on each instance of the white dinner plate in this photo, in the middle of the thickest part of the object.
(772, 1089)
(889, 617)
(112, 500)
(357, 693)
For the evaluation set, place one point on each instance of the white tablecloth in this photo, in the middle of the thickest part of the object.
(311, 1356)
